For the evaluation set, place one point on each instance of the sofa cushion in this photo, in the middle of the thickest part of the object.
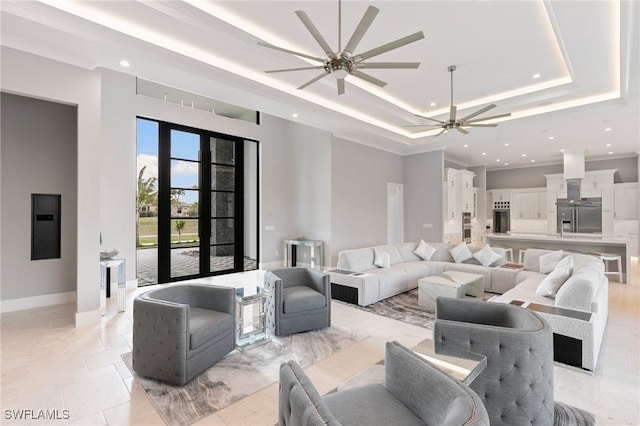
(205, 325)
(406, 251)
(442, 252)
(550, 285)
(579, 291)
(392, 281)
(381, 259)
(524, 275)
(417, 270)
(357, 260)
(392, 250)
(526, 292)
(548, 261)
(301, 298)
(486, 256)
(460, 253)
(424, 250)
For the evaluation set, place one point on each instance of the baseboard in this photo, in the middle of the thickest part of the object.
(22, 303)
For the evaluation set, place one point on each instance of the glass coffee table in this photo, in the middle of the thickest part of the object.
(251, 323)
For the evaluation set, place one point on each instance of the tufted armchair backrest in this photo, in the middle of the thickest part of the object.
(516, 386)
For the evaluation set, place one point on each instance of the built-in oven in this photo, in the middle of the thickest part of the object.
(501, 221)
(466, 227)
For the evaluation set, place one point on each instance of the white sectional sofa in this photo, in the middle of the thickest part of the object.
(577, 313)
(374, 283)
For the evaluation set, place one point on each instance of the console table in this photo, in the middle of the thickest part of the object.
(105, 282)
(316, 258)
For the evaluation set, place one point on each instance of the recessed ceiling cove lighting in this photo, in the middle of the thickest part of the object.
(536, 75)
(124, 63)
(607, 129)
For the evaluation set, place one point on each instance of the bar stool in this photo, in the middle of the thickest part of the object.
(521, 253)
(611, 257)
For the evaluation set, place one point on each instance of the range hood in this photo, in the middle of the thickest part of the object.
(573, 174)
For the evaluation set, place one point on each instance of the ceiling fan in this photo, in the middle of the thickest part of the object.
(467, 121)
(344, 62)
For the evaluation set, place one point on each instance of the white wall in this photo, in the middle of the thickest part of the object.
(423, 185)
(38, 146)
(41, 78)
(359, 177)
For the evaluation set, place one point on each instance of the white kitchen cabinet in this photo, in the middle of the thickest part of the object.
(558, 184)
(453, 178)
(552, 212)
(500, 195)
(453, 238)
(625, 201)
(466, 179)
(452, 204)
(607, 211)
(467, 201)
(528, 205)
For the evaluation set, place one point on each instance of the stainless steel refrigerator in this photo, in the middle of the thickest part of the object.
(585, 217)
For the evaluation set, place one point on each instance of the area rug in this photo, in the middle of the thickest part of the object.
(240, 374)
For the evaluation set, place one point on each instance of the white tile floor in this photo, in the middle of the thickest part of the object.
(46, 363)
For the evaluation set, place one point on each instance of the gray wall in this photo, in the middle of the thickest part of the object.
(38, 144)
(533, 177)
(423, 196)
(359, 177)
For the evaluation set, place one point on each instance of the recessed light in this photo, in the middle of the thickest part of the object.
(610, 152)
(536, 75)
(484, 153)
(506, 144)
(506, 164)
(124, 63)
(533, 161)
(551, 138)
(466, 146)
(498, 160)
(608, 144)
(562, 150)
(432, 104)
(294, 115)
(607, 129)
(524, 155)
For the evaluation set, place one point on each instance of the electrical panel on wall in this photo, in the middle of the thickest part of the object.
(45, 226)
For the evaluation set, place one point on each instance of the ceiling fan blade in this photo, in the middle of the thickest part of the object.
(390, 46)
(316, 34)
(479, 125)
(443, 131)
(478, 112)
(452, 113)
(427, 118)
(341, 86)
(507, 114)
(296, 69)
(380, 65)
(461, 130)
(368, 78)
(361, 29)
(426, 126)
(324, 74)
(303, 55)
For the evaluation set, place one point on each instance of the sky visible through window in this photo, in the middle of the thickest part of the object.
(184, 145)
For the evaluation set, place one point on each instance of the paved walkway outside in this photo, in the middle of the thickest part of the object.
(183, 262)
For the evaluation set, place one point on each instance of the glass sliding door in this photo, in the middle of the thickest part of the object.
(205, 205)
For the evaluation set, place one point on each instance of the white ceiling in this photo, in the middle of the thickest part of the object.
(585, 52)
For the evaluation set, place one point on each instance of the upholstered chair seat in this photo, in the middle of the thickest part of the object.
(300, 300)
(181, 330)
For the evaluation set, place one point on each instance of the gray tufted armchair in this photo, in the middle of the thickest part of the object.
(181, 330)
(300, 300)
(516, 387)
(415, 392)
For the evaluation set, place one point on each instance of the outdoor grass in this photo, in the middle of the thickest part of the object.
(148, 231)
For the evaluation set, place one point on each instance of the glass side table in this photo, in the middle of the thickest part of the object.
(251, 321)
(105, 283)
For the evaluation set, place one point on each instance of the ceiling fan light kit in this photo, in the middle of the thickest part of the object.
(459, 124)
(344, 62)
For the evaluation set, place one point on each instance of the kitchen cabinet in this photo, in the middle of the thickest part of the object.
(500, 196)
(558, 184)
(552, 212)
(467, 201)
(593, 182)
(528, 205)
(607, 211)
(625, 201)
(466, 179)
(452, 178)
(452, 204)
(459, 185)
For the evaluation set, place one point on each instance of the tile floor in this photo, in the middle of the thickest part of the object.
(46, 363)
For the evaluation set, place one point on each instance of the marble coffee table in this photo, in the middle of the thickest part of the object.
(449, 284)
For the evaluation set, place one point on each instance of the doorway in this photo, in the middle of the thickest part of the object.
(195, 212)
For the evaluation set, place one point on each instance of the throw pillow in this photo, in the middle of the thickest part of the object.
(424, 251)
(547, 262)
(552, 282)
(381, 259)
(461, 253)
(486, 256)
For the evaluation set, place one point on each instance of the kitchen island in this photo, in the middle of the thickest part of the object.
(583, 243)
